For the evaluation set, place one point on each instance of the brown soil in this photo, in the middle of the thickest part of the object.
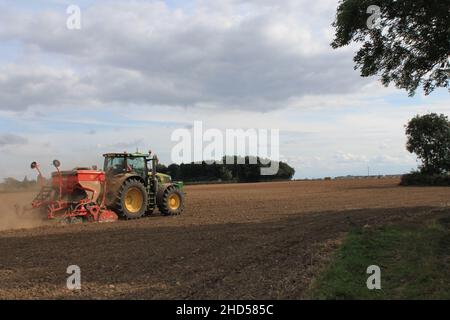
(255, 241)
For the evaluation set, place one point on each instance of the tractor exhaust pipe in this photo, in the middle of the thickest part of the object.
(154, 160)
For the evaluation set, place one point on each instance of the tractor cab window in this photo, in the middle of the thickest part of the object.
(138, 165)
(114, 165)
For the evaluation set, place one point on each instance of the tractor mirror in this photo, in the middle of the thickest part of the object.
(33, 165)
(56, 163)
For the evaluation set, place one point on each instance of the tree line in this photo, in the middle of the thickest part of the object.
(240, 169)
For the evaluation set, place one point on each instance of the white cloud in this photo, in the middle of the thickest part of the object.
(247, 55)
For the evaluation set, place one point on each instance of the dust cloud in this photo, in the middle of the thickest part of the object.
(13, 215)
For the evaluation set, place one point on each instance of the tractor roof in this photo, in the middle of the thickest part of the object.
(125, 154)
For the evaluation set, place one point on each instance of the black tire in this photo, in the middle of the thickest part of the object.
(163, 201)
(123, 206)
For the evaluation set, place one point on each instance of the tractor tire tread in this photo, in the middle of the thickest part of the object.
(119, 206)
(163, 201)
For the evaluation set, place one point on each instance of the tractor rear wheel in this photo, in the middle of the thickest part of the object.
(171, 201)
(132, 199)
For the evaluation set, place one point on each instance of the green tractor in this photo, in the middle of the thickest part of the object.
(134, 188)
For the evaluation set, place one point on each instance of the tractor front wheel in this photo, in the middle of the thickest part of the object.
(132, 199)
(170, 201)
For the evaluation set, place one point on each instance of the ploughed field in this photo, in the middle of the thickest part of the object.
(252, 241)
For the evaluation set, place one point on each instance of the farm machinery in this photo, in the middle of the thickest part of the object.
(128, 187)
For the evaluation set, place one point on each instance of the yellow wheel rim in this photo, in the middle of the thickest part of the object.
(174, 201)
(134, 200)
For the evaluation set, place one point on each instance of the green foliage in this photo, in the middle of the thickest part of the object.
(174, 171)
(240, 170)
(414, 262)
(162, 168)
(428, 136)
(225, 174)
(421, 179)
(410, 48)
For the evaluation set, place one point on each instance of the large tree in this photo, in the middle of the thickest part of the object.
(406, 42)
(428, 136)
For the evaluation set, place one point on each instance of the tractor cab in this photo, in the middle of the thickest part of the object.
(137, 163)
(126, 163)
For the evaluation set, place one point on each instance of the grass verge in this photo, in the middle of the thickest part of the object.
(414, 262)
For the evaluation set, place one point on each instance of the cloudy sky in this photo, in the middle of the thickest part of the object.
(138, 70)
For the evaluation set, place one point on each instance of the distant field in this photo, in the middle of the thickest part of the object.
(266, 240)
